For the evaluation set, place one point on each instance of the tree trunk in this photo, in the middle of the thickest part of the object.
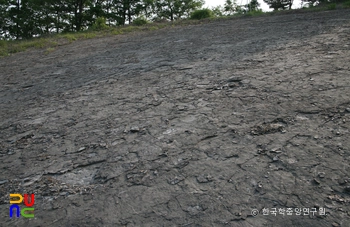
(75, 18)
(80, 17)
(290, 4)
(58, 22)
(129, 16)
(17, 26)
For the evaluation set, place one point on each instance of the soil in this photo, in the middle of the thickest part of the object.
(217, 124)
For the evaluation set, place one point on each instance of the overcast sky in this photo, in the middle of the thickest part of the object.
(263, 5)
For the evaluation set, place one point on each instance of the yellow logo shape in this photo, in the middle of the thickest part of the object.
(16, 201)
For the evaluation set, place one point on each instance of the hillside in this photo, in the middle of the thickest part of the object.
(201, 125)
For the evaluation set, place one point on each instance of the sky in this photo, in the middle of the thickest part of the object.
(263, 5)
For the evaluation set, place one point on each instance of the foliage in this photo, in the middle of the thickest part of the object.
(50, 42)
(218, 11)
(252, 6)
(347, 3)
(20, 23)
(70, 37)
(13, 46)
(201, 14)
(176, 9)
(326, 4)
(331, 6)
(140, 21)
(99, 24)
(255, 13)
(230, 7)
(3, 48)
(22, 19)
(279, 4)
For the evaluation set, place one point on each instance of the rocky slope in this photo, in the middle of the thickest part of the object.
(218, 124)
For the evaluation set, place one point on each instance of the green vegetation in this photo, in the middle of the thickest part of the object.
(347, 4)
(255, 13)
(23, 19)
(280, 4)
(3, 48)
(100, 24)
(14, 46)
(102, 27)
(49, 50)
(140, 21)
(201, 14)
(50, 42)
(317, 5)
(331, 6)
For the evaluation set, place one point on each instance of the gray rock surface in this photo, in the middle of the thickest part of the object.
(184, 126)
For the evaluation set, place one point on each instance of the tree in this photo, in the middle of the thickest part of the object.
(253, 5)
(201, 14)
(20, 23)
(21, 19)
(231, 7)
(311, 3)
(126, 10)
(218, 11)
(49, 15)
(3, 18)
(148, 8)
(77, 14)
(175, 9)
(279, 4)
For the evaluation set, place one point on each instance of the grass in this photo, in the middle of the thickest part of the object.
(51, 42)
(332, 6)
(3, 48)
(255, 13)
(14, 46)
(49, 50)
(346, 4)
(152, 28)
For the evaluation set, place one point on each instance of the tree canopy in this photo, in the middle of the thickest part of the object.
(22, 19)
(279, 4)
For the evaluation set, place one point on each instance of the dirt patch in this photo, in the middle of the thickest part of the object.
(185, 126)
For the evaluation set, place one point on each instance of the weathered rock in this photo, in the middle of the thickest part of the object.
(128, 136)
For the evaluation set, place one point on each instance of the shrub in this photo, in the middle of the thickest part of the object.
(99, 24)
(255, 13)
(69, 36)
(153, 28)
(129, 29)
(160, 20)
(140, 21)
(347, 4)
(3, 48)
(331, 6)
(201, 14)
(3, 43)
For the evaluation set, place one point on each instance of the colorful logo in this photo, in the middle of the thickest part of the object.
(24, 210)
